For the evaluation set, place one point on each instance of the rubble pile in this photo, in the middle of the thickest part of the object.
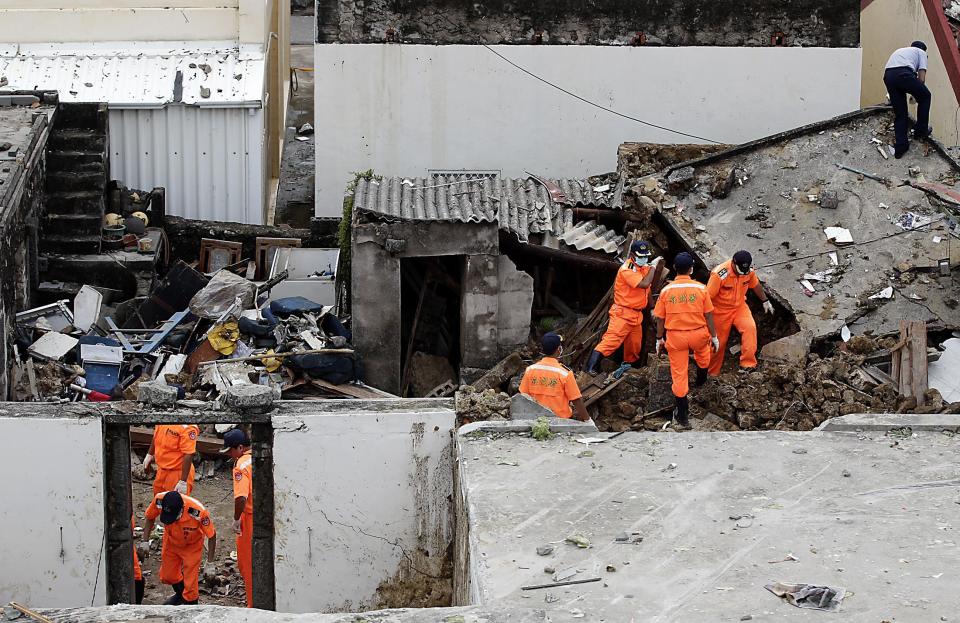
(474, 405)
(624, 405)
(196, 335)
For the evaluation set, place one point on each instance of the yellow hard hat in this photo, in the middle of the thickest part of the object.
(112, 219)
(142, 217)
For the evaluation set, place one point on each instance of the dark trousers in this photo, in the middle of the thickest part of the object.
(900, 82)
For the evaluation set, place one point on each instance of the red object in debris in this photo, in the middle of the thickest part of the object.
(95, 396)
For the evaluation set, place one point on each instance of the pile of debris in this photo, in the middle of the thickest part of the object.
(195, 335)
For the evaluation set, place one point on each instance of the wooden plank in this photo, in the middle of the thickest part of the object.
(597, 395)
(405, 380)
(207, 445)
(918, 360)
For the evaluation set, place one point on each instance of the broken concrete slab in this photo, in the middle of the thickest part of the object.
(944, 374)
(792, 349)
(53, 345)
(515, 302)
(557, 425)
(248, 398)
(157, 394)
(523, 407)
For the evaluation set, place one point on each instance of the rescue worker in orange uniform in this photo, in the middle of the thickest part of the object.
(172, 451)
(186, 522)
(727, 286)
(236, 444)
(684, 315)
(631, 291)
(553, 384)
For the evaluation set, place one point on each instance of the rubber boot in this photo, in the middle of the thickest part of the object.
(177, 598)
(619, 372)
(139, 586)
(701, 377)
(591, 367)
(681, 413)
(190, 603)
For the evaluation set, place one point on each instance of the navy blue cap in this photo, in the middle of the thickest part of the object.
(550, 342)
(170, 507)
(919, 44)
(743, 260)
(234, 439)
(683, 262)
(640, 247)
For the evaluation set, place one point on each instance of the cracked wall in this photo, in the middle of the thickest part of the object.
(808, 23)
(363, 517)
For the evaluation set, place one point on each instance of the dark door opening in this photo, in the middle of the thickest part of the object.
(431, 290)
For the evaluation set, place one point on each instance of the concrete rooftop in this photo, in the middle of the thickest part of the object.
(15, 124)
(886, 532)
(768, 212)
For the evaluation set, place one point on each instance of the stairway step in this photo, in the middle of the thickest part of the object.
(78, 140)
(66, 181)
(82, 116)
(72, 224)
(76, 202)
(73, 160)
(66, 244)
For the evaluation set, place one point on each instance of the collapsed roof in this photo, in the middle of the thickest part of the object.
(775, 197)
(525, 207)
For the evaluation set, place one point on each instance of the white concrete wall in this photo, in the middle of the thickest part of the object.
(404, 109)
(53, 482)
(356, 494)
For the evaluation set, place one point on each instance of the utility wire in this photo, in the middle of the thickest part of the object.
(595, 105)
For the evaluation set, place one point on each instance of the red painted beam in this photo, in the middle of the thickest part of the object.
(945, 40)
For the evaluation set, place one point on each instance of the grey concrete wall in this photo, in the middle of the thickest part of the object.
(377, 249)
(21, 206)
(813, 23)
(362, 505)
(515, 294)
(52, 517)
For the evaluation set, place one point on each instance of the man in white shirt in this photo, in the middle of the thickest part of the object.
(905, 74)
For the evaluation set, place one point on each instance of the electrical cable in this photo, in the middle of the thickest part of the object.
(595, 105)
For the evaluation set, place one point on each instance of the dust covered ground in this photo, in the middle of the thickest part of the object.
(216, 493)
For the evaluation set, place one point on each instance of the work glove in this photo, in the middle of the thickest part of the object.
(768, 307)
(147, 462)
(715, 343)
(181, 487)
(656, 260)
(236, 526)
(661, 345)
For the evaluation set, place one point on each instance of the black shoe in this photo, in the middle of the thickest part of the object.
(190, 603)
(898, 152)
(591, 367)
(701, 377)
(681, 413)
(922, 134)
(175, 600)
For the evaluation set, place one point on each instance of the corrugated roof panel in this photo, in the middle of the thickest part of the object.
(522, 206)
(139, 74)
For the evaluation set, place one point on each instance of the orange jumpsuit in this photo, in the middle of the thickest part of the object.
(626, 313)
(243, 488)
(683, 305)
(182, 548)
(137, 571)
(170, 443)
(552, 385)
(728, 291)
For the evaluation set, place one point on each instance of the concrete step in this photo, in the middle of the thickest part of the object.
(70, 160)
(70, 181)
(69, 244)
(78, 140)
(72, 224)
(82, 116)
(92, 203)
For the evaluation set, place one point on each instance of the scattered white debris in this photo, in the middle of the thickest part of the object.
(807, 287)
(886, 293)
(833, 258)
(601, 189)
(838, 235)
(937, 239)
(825, 276)
(912, 220)
(845, 333)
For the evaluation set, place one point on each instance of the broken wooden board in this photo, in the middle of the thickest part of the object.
(593, 388)
(348, 390)
(909, 365)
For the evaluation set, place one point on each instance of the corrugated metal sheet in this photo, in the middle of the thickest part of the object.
(522, 206)
(209, 160)
(140, 74)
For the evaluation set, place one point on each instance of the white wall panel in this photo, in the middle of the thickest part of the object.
(52, 517)
(404, 109)
(209, 160)
(359, 499)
